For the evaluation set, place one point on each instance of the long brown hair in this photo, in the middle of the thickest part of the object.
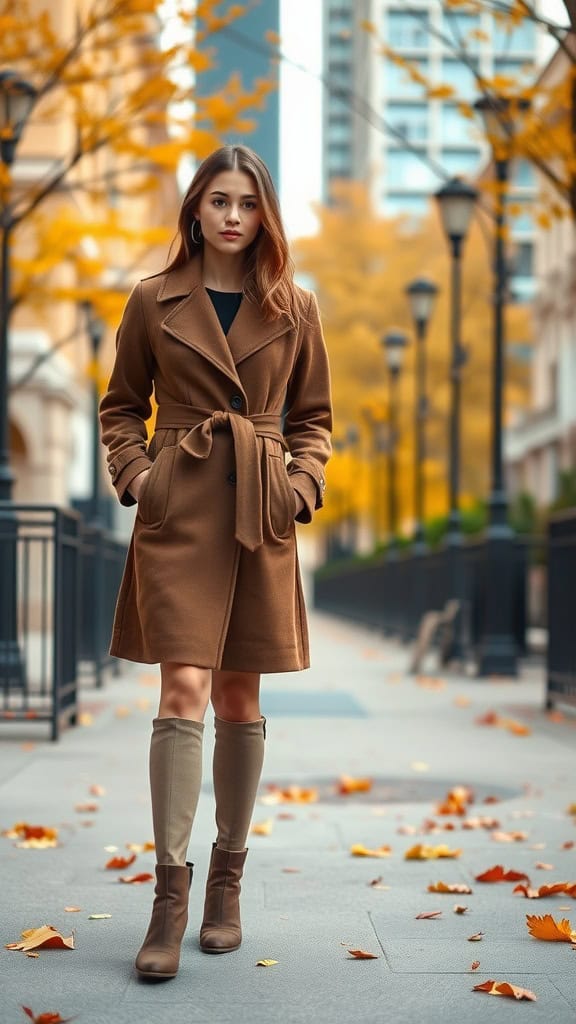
(269, 270)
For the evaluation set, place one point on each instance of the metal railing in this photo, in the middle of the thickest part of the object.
(58, 586)
(393, 594)
(561, 669)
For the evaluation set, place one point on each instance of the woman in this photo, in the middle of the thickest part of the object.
(233, 351)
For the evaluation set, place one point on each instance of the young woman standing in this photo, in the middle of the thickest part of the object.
(233, 351)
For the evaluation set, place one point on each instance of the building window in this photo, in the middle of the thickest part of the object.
(338, 132)
(397, 81)
(339, 46)
(523, 262)
(516, 70)
(460, 161)
(521, 40)
(458, 27)
(456, 129)
(408, 31)
(340, 68)
(396, 204)
(409, 119)
(522, 222)
(461, 78)
(408, 171)
(523, 174)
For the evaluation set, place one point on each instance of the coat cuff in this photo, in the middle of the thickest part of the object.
(310, 491)
(124, 479)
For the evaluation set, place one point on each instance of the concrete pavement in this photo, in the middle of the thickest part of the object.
(356, 713)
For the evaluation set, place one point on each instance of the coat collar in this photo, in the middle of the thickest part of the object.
(194, 321)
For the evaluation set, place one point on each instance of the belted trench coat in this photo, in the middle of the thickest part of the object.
(243, 422)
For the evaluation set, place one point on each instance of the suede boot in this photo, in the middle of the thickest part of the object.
(175, 778)
(159, 956)
(221, 930)
(237, 766)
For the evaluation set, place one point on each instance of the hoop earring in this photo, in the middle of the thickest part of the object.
(196, 241)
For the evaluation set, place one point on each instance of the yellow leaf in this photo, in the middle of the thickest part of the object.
(359, 850)
(99, 917)
(424, 852)
(452, 887)
(266, 963)
(549, 930)
(263, 828)
(42, 938)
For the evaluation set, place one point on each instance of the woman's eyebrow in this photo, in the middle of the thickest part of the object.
(217, 192)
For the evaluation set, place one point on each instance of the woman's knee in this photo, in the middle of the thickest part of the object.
(185, 690)
(236, 696)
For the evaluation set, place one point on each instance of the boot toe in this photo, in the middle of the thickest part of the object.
(157, 964)
(219, 940)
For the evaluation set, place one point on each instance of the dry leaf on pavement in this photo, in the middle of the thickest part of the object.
(45, 937)
(549, 930)
(361, 954)
(348, 784)
(144, 876)
(97, 790)
(266, 963)
(477, 937)
(120, 862)
(359, 850)
(87, 808)
(428, 915)
(498, 874)
(544, 867)
(424, 852)
(474, 965)
(504, 988)
(459, 908)
(509, 837)
(147, 847)
(72, 910)
(452, 887)
(568, 888)
(263, 828)
(48, 1017)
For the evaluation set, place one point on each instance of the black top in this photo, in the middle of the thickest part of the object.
(226, 305)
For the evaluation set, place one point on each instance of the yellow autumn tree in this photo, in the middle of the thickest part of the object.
(116, 113)
(360, 264)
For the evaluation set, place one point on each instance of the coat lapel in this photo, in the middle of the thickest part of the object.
(194, 321)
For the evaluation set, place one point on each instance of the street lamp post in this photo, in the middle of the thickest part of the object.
(456, 202)
(394, 343)
(96, 330)
(498, 648)
(421, 295)
(16, 101)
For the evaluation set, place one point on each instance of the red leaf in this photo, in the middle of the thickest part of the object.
(497, 874)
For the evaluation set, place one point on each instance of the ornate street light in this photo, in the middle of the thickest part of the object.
(456, 201)
(16, 101)
(498, 649)
(394, 342)
(96, 330)
(421, 297)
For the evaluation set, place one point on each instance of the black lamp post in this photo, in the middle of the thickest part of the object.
(421, 296)
(498, 648)
(394, 343)
(456, 202)
(16, 101)
(96, 330)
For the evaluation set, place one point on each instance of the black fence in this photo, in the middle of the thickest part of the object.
(561, 674)
(58, 585)
(392, 594)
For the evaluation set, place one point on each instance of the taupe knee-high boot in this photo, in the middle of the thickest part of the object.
(175, 778)
(237, 766)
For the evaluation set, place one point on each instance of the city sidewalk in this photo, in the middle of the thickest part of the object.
(307, 900)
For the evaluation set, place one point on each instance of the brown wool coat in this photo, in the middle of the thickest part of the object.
(212, 576)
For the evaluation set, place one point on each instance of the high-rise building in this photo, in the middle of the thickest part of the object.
(242, 48)
(380, 127)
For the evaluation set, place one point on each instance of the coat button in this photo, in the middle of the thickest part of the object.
(231, 478)
(112, 470)
(236, 401)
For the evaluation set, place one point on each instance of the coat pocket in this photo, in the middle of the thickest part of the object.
(153, 501)
(281, 498)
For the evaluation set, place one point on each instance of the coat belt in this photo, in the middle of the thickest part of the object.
(245, 432)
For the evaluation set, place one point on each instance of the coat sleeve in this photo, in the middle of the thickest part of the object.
(126, 405)
(308, 419)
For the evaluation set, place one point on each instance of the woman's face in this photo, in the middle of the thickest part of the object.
(229, 212)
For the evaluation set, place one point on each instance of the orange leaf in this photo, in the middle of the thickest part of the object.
(504, 988)
(46, 1018)
(120, 862)
(509, 837)
(359, 850)
(72, 910)
(361, 954)
(262, 828)
(497, 874)
(140, 847)
(549, 930)
(97, 790)
(452, 887)
(477, 937)
(290, 794)
(568, 845)
(544, 867)
(459, 908)
(137, 879)
(423, 852)
(45, 937)
(347, 785)
(428, 915)
(474, 965)
(87, 808)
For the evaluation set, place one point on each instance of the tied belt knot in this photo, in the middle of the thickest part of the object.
(245, 430)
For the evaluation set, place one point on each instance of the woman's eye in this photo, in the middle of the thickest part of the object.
(250, 205)
(217, 202)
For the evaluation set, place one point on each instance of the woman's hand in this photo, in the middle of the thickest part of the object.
(136, 484)
(299, 503)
